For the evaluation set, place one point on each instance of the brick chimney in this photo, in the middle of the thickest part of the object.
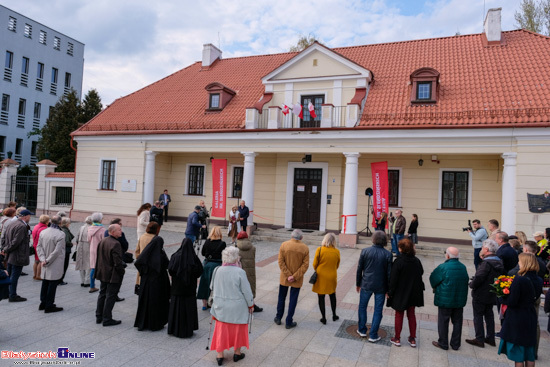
(491, 27)
(211, 53)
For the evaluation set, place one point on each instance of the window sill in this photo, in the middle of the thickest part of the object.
(105, 190)
(455, 210)
(424, 101)
(195, 195)
(213, 110)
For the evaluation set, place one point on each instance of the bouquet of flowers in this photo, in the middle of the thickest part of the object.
(501, 285)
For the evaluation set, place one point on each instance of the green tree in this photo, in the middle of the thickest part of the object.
(530, 15)
(66, 116)
(91, 106)
(303, 43)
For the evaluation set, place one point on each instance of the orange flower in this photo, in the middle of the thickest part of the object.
(506, 291)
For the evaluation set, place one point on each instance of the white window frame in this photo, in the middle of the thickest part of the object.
(187, 168)
(399, 203)
(233, 166)
(470, 189)
(101, 160)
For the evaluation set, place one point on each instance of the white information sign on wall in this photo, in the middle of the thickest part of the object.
(129, 185)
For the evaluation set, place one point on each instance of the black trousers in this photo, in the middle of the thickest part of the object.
(443, 317)
(481, 311)
(66, 263)
(106, 300)
(47, 292)
(166, 213)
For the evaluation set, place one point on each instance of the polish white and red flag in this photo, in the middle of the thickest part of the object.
(311, 109)
(297, 110)
(285, 109)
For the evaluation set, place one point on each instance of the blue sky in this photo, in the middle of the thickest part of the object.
(132, 43)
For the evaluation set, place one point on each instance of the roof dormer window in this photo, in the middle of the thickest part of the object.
(425, 86)
(214, 101)
(218, 96)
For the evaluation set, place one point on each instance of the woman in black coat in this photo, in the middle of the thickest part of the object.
(154, 290)
(406, 290)
(518, 336)
(185, 268)
(212, 252)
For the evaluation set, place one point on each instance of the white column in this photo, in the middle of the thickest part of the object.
(149, 177)
(248, 184)
(508, 211)
(349, 210)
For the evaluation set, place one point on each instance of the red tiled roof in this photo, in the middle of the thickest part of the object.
(61, 174)
(479, 86)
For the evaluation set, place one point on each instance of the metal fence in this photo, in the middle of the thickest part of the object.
(24, 191)
(291, 121)
(63, 196)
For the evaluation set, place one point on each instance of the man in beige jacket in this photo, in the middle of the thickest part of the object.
(293, 262)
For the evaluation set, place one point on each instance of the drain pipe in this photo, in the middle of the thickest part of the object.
(74, 179)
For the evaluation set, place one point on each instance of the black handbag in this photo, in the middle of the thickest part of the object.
(313, 277)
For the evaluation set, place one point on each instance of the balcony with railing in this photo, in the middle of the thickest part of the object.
(329, 116)
(4, 117)
(7, 74)
(24, 79)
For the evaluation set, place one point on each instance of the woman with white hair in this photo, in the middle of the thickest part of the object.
(95, 235)
(232, 304)
(82, 262)
(326, 262)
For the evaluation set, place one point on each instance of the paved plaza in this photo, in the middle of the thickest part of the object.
(24, 328)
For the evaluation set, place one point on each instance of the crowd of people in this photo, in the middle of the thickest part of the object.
(225, 281)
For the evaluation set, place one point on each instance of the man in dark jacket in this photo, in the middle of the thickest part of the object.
(244, 213)
(193, 224)
(507, 254)
(123, 244)
(16, 247)
(483, 299)
(373, 276)
(165, 200)
(109, 270)
(450, 284)
(157, 213)
(530, 247)
(399, 224)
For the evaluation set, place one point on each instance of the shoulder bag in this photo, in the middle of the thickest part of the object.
(313, 277)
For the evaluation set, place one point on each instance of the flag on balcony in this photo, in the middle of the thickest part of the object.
(297, 110)
(311, 109)
(285, 109)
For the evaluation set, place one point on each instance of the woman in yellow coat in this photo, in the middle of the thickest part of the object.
(326, 263)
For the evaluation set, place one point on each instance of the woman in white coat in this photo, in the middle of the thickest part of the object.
(234, 227)
(51, 253)
(82, 262)
(144, 216)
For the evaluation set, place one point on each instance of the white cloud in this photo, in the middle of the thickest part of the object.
(132, 43)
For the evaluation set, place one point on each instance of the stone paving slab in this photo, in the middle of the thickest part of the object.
(24, 328)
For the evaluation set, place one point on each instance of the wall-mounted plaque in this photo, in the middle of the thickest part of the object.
(539, 203)
(129, 185)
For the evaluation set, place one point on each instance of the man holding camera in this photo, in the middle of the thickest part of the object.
(478, 234)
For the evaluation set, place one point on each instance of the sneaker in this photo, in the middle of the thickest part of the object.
(361, 334)
(395, 341)
(412, 342)
(374, 340)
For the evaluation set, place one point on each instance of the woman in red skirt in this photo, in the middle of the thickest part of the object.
(231, 307)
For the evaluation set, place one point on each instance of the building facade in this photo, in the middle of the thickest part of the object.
(463, 123)
(40, 65)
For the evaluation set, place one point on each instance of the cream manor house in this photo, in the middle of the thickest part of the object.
(462, 121)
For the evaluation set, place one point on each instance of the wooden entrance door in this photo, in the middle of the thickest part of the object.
(306, 209)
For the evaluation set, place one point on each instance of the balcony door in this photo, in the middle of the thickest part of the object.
(308, 120)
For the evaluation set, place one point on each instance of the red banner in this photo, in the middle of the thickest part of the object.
(380, 189)
(219, 187)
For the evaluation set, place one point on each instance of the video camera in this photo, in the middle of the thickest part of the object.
(469, 228)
